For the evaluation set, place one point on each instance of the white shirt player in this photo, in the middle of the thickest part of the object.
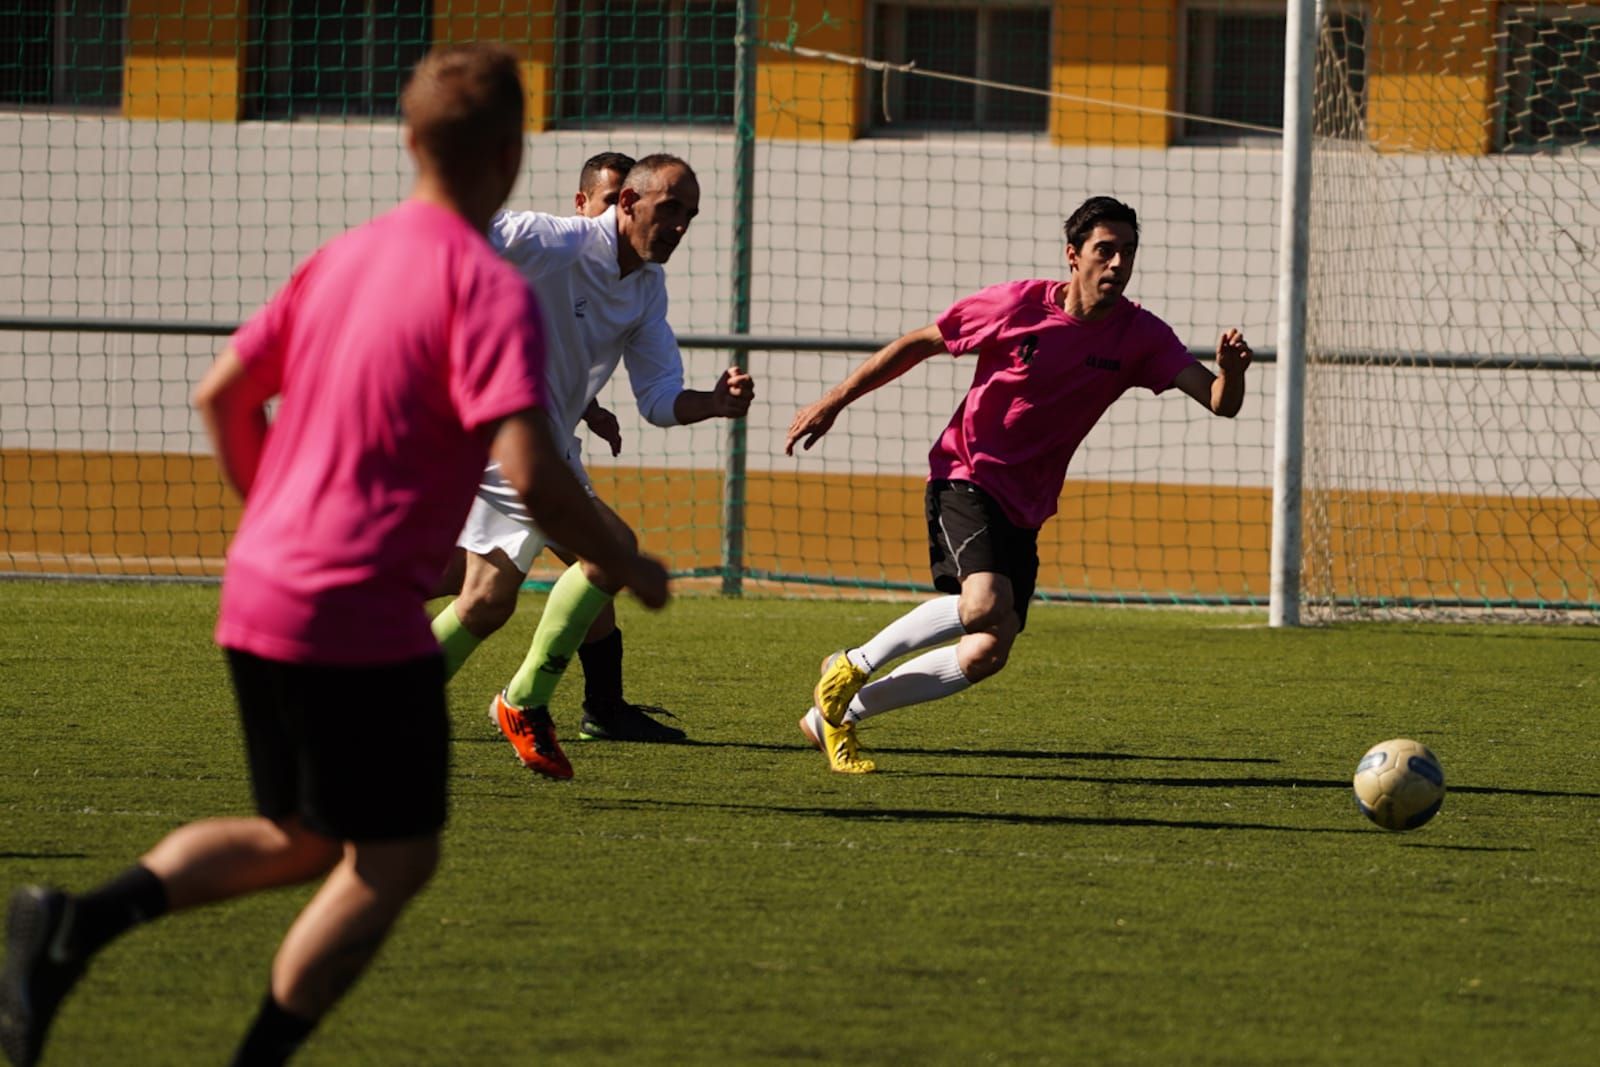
(594, 320)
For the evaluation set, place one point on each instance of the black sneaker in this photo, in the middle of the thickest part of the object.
(40, 970)
(622, 721)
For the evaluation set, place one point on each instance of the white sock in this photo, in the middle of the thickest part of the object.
(930, 676)
(933, 622)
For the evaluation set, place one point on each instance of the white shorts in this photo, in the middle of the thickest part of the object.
(499, 519)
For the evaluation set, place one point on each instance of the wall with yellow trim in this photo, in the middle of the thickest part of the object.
(1431, 77)
(1113, 50)
(126, 513)
(185, 60)
(811, 99)
(527, 27)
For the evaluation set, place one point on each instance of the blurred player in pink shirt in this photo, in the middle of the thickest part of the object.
(1051, 357)
(404, 353)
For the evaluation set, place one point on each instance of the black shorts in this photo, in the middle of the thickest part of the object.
(359, 753)
(968, 533)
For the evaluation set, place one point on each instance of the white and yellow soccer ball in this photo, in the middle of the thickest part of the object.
(1399, 784)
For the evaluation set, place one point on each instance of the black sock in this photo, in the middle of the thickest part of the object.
(273, 1037)
(132, 897)
(602, 670)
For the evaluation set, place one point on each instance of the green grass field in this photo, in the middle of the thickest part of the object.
(1136, 846)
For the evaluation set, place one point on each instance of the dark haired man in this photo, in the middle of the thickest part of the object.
(1051, 357)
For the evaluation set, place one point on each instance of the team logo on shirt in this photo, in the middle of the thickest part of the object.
(579, 306)
(1100, 363)
(1029, 349)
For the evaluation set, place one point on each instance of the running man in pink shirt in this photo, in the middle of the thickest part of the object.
(1051, 357)
(404, 353)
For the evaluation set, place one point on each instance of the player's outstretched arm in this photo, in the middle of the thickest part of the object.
(729, 399)
(1222, 393)
(531, 462)
(881, 368)
(233, 406)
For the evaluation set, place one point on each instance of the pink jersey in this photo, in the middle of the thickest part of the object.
(1043, 380)
(391, 348)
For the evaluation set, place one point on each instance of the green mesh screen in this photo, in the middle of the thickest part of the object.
(167, 165)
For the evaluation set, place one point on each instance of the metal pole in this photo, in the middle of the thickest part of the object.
(1300, 44)
(744, 167)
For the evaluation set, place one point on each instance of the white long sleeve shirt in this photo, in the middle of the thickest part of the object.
(594, 319)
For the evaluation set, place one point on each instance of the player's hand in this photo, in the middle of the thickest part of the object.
(733, 393)
(811, 423)
(648, 580)
(604, 425)
(1233, 353)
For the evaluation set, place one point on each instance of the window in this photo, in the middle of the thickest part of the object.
(1008, 44)
(62, 52)
(1550, 91)
(333, 57)
(646, 61)
(1233, 70)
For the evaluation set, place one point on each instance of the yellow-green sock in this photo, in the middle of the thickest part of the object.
(455, 640)
(573, 606)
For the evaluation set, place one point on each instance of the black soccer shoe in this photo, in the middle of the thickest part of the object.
(622, 721)
(41, 968)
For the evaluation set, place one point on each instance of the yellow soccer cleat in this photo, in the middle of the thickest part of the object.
(838, 743)
(841, 680)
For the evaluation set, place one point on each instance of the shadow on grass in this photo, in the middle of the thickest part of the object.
(44, 855)
(930, 815)
(1237, 783)
(992, 753)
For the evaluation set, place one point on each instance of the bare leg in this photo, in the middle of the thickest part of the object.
(219, 859)
(340, 931)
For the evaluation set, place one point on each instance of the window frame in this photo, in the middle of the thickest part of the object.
(1588, 13)
(60, 14)
(261, 101)
(1181, 133)
(873, 100)
(673, 70)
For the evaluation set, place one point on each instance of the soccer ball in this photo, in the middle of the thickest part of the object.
(1399, 784)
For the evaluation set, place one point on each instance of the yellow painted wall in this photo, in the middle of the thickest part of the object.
(1120, 50)
(1432, 67)
(121, 513)
(811, 99)
(185, 60)
(1431, 75)
(527, 27)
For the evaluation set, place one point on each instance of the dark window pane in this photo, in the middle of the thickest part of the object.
(1551, 95)
(27, 46)
(335, 57)
(634, 60)
(941, 39)
(709, 54)
(1341, 88)
(1235, 71)
(1019, 54)
(93, 31)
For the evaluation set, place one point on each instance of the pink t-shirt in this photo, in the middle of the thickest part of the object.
(1043, 380)
(392, 347)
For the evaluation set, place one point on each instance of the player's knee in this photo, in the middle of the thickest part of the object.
(397, 870)
(984, 655)
(485, 608)
(992, 614)
(599, 576)
(310, 853)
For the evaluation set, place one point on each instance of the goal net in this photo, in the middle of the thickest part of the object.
(1452, 448)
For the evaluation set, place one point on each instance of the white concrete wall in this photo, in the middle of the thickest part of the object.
(101, 217)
